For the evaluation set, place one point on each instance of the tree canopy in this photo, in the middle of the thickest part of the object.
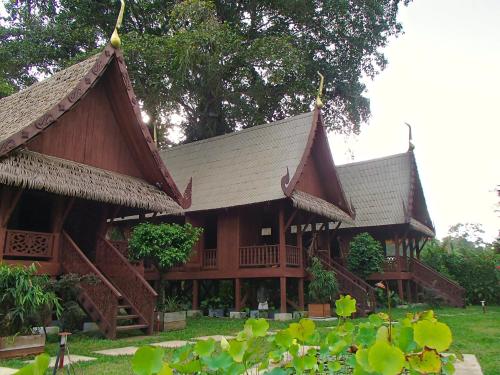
(220, 64)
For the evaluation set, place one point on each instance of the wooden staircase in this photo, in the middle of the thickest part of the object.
(121, 300)
(351, 284)
(428, 278)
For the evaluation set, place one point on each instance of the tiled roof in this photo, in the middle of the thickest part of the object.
(240, 168)
(380, 190)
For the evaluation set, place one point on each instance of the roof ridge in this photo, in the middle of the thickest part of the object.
(372, 160)
(238, 132)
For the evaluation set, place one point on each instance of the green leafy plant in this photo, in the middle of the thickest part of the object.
(171, 304)
(25, 299)
(414, 345)
(365, 255)
(39, 366)
(163, 245)
(323, 286)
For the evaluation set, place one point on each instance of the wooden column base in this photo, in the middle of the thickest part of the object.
(282, 294)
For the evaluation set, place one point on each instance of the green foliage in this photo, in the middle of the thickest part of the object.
(323, 286)
(472, 267)
(220, 64)
(414, 346)
(345, 306)
(171, 304)
(25, 299)
(165, 245)
(366, 255)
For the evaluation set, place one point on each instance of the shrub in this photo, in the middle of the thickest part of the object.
(372, 347)
(164, 245)
(323, 286)
(366, 255)
(26, 300)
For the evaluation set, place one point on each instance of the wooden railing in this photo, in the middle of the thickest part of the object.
(293, 256)
(100, 299)
(132, 285)
(259, 256)
(121, 246)
(25, 244)
(209, 259)
(432, 279)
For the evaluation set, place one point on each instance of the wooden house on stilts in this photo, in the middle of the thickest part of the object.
(74, 154)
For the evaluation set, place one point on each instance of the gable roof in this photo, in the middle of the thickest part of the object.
(384, 192)
(247, 166)
(29, 112)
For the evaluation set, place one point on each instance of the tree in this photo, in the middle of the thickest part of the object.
(221, 64)
(164, 245)
(465, 235)
(365, 255)
(323, 286)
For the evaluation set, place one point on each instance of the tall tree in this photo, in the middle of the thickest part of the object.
(221, 64)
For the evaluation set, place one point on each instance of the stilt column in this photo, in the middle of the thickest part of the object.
(196, 292)
(283, 294)
(301, 293)
(237, 294)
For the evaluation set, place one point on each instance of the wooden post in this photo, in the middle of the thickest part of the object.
(282, 247)
(283, 294)
(196, 292)
(237, 294)
(9, 198)
(408, 291)
(398, 257)
(299, 245)
(301, 293)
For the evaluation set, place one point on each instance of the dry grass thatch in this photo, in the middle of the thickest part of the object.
(28, 169)
(308, 202)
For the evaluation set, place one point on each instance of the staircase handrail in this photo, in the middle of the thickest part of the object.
(100, 300)
(132, 284)
(447, 279)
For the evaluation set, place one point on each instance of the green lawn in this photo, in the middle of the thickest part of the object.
(473, 331)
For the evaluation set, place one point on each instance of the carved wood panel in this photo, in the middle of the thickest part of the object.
(29, 244)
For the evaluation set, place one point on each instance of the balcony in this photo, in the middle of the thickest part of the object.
(268, 256)
(28, 245)
(209, 259)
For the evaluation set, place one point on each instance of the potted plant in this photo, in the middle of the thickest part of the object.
(26, 302)
(322, 290)
(213, 306)
(163, 245)
(171, 315)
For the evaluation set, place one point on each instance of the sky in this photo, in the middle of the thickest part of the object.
(443, 78)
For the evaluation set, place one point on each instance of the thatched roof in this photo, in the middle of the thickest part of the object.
(28, 169)
(29, 112)
(247, 166)
(386, 191)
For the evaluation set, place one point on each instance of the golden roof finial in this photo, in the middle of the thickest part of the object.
(319, 102)
(115, 38)
(411, 146)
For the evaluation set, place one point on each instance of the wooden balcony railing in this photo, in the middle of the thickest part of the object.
(209, 259)
(259, 256)
(396, 264)
(25, 244)
(121, 246)
(293, 256)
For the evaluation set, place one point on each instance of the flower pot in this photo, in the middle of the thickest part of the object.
(172, 321)
(20, 346)
(319, 310)
(216, 313)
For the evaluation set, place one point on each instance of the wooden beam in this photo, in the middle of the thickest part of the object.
(9, 203)
(293, 304)
(290, 219)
